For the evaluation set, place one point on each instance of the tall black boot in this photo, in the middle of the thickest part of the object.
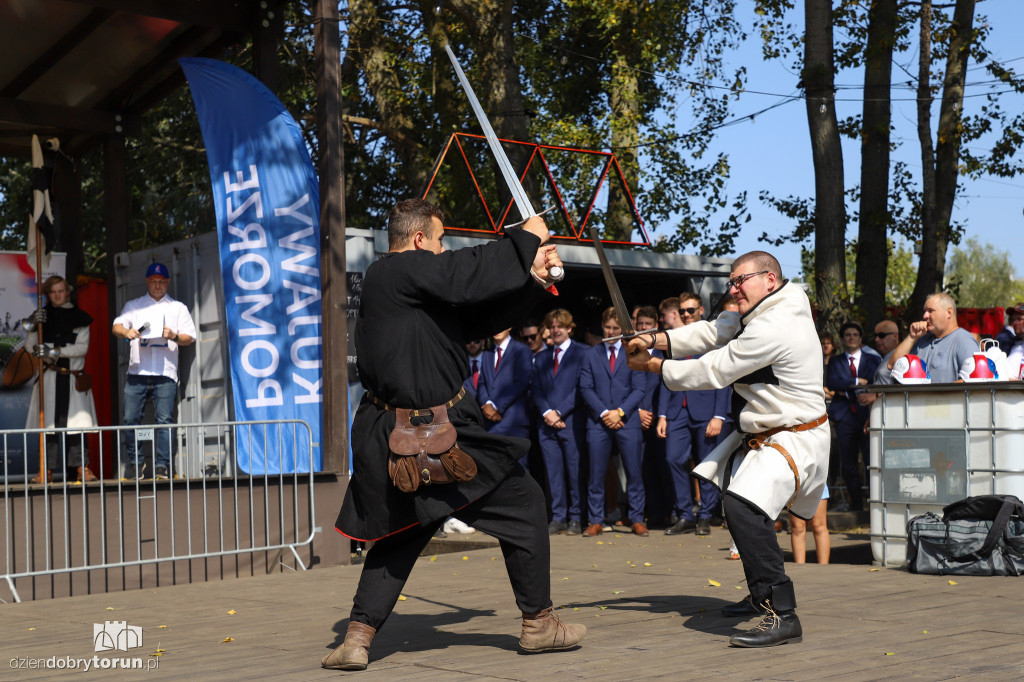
(779, 624)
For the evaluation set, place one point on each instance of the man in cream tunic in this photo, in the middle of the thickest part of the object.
(769, 353)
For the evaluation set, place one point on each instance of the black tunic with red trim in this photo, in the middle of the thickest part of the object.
(416, 313)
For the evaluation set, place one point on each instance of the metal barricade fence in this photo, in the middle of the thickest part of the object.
(934, 444)
(208, 509)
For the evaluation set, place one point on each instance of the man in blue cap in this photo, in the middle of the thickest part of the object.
(155, 325)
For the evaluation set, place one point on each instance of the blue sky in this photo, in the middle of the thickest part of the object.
(773, 152)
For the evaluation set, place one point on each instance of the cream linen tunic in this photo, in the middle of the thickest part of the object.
(774, 364)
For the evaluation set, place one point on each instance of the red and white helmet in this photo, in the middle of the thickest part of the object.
(911, 370)
(979, 367)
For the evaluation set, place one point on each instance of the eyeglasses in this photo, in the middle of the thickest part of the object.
(882, 335)
(688, 311)
(740, 279)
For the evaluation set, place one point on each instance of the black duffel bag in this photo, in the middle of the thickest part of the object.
(981, 535)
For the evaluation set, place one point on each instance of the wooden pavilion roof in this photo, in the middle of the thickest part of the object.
(80, 69)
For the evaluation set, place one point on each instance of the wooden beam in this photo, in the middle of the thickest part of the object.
(115, 214)
(327, 52)
(55, 53)
(69, 118)
(233, 15)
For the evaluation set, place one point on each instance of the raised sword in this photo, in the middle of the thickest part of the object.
(519, 197)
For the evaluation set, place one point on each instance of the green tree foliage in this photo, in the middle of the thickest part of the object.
(982, 276)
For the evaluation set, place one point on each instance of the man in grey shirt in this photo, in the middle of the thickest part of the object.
(940, 343)
(887, 337)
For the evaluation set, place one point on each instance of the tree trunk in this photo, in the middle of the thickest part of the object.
(924, 135)
(383, 84)
(829, 209)
(872, 239)
(503, 96)
(625, 127)
(935, 223)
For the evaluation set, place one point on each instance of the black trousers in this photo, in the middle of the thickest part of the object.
(514, 513)
(754, 533)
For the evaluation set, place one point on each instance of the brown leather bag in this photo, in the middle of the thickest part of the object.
(424, 451)
(83, 381)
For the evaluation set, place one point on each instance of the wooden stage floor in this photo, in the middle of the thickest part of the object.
(649, 603)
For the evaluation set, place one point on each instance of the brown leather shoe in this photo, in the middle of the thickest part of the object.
(86, 474)
(354, 652)
(592, 530)
(640, 529)
(41, 478)
(545, 631)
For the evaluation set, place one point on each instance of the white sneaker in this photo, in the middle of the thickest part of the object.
(453, 525)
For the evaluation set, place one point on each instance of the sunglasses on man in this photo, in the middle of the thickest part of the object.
(882, 335)
(688, 311)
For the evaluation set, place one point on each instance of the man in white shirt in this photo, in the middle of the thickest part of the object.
(156, 325)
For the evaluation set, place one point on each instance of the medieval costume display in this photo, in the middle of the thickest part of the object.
(66, 341)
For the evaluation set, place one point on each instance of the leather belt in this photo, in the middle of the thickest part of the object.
(420, 411)
(63, 370)
(765, 435)
(758, 440)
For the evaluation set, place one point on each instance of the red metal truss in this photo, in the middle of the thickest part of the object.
(498, 218)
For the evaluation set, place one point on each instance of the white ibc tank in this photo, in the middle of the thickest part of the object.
(932, 445)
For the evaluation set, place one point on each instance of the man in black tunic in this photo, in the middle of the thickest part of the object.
(419, 306)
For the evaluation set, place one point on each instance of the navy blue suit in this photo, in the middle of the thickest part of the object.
(561, 447)
(849, 418)
(604, 390)
(688, 414)
(507, 389)
(468, 383)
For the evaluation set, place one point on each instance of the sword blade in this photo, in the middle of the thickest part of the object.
(613, 286)
(522, 201)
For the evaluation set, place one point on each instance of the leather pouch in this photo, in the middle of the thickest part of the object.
(83, 381)
(423, 450)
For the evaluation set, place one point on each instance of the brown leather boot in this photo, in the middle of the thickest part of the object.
(354, 653)
(545, 631)
(86, 474)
